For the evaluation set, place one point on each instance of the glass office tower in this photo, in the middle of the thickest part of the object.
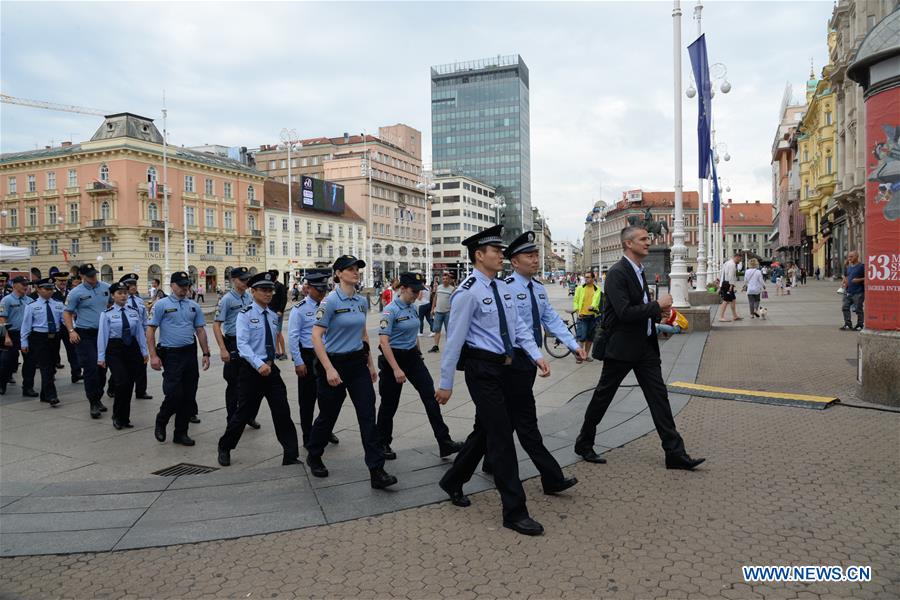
(480, 127)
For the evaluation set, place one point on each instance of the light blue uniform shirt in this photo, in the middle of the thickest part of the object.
(177, 321)
(300, 325)
(476, 321)
(229, 307)
(639, 273)
(137, 303)
(34, 318)
(549, 318)
(251, 333)
(87, 302)
(111, 329)
(13, 308)
(345, 319)
(400, 322)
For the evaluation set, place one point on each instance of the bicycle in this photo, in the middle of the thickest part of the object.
(553, 345)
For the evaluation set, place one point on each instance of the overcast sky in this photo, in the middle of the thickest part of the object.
(601, 78)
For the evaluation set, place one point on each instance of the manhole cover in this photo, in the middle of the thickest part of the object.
(185, 469)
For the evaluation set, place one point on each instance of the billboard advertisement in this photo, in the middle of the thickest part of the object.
(322, 195)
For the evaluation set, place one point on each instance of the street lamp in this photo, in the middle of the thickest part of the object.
(679, 276)
(498, 205)
(287, 137)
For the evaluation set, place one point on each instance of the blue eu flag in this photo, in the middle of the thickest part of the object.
(700, 66)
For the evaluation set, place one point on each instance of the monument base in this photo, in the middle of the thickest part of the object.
(699, 318)
(880, 369)
(703, 298)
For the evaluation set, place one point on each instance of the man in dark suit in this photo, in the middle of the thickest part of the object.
(628, 342)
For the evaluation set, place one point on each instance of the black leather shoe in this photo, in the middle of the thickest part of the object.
(561, 486)
(53, 402)
(95, 411)
(101, 406)
(144, 397)
(380, 479)
(11, 380)
(448, 447)
(2, 388)
(333, 439)
(252, 424)
(225, 457)
(127, 425)
(526, 526)
(291, 461)
(77, 378)
(316, 466)
(30, 393)
(111, 393)
(116, 423)
(60, 366)
(184, 440)
(591, 456)
(159, 432)
(457, 497)
(195, 419)
(683, 461)
(388, 453)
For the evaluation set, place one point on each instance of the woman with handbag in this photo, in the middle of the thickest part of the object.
(755, 285)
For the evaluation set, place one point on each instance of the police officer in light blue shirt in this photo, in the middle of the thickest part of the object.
(40, 332)
(178, 320)
(82, 316)
(345, 366)
(135, 301)
(300, 328)
(257, 328)
(401, 360)
(12, 309)
(483, 333)
(122, 346)
(225, 331)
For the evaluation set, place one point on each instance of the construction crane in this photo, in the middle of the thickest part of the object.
(7, 99)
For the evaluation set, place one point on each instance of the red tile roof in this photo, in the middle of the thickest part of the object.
(747, 214)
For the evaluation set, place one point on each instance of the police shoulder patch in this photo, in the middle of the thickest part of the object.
(247, 308)
(509, 279)
(383, 324)
(468, 283)
(320, 313)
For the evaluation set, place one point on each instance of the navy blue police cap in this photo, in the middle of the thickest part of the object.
(492, 236)
(523, 243)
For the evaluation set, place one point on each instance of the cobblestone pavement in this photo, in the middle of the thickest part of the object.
(782, 486)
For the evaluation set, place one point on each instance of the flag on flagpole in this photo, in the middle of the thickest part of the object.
(700, 66)
(716, 202)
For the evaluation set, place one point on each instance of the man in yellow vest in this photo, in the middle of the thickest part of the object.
(587, 305)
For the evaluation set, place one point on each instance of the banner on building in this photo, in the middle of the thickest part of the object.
(634, 196)
(882, 254)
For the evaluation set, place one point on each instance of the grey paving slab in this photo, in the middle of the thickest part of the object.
(60, 542)
(120, 486)
(4, 500)
(70, 521)
(103, 502)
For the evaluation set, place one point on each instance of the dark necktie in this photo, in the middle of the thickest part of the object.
(134, 303)
(270, 344)
(535, 316)
(126, 329)
(504, 328)
(51, 322)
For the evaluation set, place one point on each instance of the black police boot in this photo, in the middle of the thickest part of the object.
(448, 447)
(77, 378)
(111, 393)
(316, 466)
(457, 497)
(683, 462)
(526, 526)
(143, 397)
(333, 439)
(183, 439)
(291, 461)
(30, 393)
(95, 410)
(195, 419)
(380, 478)
(2, 388)
(224, 457)
(252, 424)
(116, 423)
(101, 406)
(159, 432)
(54, 402)
(388, 453)
(563, 485)
(584, 447)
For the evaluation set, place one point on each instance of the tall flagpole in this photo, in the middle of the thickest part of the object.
(165, 112)
(678, 277)
(701, 243)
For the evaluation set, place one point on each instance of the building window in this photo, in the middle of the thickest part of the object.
(296, 248)
(73, 213)
(11, 185)
(284, 248)
(229, 248)
(318, 228)
(271, 247)
(210, 247)
(73, 178)
(251, 193)
(33, 247)
(805, 155)
(309, 227)
(309, 250)
(153, 243)
(105, 244)
(105, 211)
(297, 226)
(251, 222)
(151, 174)
(209, 187)
(32, 183)
(229, 220)
(190, 246)
(14, 217)
(210, 217)
(189, 216)
(330, 251)
(32, 216)
(251, 249)
(51, 215)
(153, 211)
(271, 223)
(284, 225)
(828, 164)
(104, 172)
(54, 246)
(282, 164)
(189, 183)
(828, 118)
(51, 180)
(319, 250)
(75, 245)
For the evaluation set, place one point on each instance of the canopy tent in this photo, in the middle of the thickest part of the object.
(13, 253)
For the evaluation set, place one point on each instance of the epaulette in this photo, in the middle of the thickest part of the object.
(247, 308)
(468, 283)
(509, 279)
(299, 304)
(536, 281)
(108, 309)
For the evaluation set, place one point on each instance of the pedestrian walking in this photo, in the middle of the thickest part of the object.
(401, 361)
(818, 273)
(423, 307)
(802, 276)
(82, 317)
(441, 310)
(629, 343)
(201, 295)
(41, 326)
(279, 304)
(344, 366)
(61, 289)
(587, 304)
(122, 346)
(727, 289)
(260, 376)
(300, 328)
(181, 326)
(134, 300)
(854, 282)
(754, 283)
(480, 340)
(225, 332)
(12, 310)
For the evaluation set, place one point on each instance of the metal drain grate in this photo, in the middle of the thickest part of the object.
(185, 469)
